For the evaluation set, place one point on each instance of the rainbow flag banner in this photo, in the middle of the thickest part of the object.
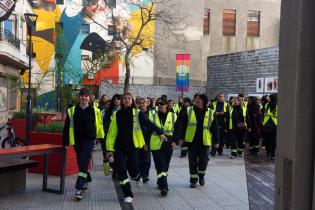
(182, 72)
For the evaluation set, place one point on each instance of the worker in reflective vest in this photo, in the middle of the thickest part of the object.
(198, 128)
(239, 123)
(183, 146)
(220, 108)
(178, 106)
(83, 125)
(162, 150)
(124, 139)
(145, 153)
(270, 124)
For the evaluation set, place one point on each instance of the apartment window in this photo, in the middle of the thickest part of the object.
(253, 23)
(206, 21)
(229, 22)
(85, 28)
(60, 2)
(58, 27)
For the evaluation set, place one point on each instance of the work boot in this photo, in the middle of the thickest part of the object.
(193, 185)
(202, 181)
(78, 195)
(145, 179)
(164, 192)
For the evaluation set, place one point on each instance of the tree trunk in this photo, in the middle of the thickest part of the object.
(127, 65)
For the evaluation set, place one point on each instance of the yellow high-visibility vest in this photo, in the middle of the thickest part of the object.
(192, 124)
(231, 121)
(225, 106)
(272, 115)
(137, 136)
(168, 128)
(98, 124)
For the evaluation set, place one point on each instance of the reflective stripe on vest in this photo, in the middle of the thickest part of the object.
(168, 128)
(192, 124)
(98, 124)
(215, 106)
(231, 120)
(71, 128)
(137, 135)
(272, 115)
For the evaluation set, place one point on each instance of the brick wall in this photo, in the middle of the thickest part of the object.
(238, 72)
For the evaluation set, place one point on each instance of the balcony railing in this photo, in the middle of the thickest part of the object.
(10, 38)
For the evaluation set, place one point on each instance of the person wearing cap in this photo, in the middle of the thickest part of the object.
(198, 127)
(82, 126)
(162, 150)
(124, 139)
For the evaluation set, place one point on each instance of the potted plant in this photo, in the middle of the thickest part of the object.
(51, 133)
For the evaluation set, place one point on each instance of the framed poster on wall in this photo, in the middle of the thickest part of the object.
(260, 85)
(271, 85)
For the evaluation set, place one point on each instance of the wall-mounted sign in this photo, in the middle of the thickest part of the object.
(267, 85)
(271, 85)
(6, 8)
(260, 85)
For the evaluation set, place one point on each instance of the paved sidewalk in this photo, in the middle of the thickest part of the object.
(225, 188)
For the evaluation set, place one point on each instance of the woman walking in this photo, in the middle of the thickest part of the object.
(83, 125)
(198, 127)
(239, 122)
(255, 118)
(124, 139)
(162, 150)
(270, 124)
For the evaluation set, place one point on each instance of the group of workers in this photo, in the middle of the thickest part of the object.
(131, 130)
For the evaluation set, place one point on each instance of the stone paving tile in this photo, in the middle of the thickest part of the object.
(225, 189)
(101, 194)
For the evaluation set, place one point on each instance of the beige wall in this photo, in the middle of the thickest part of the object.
(192, 41)
(216, 43)
(188, 41)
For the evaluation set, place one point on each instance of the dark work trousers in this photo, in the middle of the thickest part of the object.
(253, 140)
(221, 142)
(127, 160)
(162, 159)
(84, 154)
(144, 162)
(198, 157)
(270, 142)
(237, 141)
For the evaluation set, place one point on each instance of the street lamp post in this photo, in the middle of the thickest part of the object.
(31, 26)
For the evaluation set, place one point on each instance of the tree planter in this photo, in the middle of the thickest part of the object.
(53, 160)
(19, 126)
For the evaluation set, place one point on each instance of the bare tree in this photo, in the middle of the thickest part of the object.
(164, 12)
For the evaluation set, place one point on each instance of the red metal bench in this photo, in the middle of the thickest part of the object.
(44, 149)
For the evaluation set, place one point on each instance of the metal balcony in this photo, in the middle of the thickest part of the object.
(10, 38)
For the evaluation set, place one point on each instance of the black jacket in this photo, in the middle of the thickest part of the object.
(182, 122)
(124, 120)
(84, 125)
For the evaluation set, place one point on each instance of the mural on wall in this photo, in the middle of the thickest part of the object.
(63, 33)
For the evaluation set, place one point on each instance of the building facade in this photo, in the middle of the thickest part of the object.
(215, 27)
(13, 58)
